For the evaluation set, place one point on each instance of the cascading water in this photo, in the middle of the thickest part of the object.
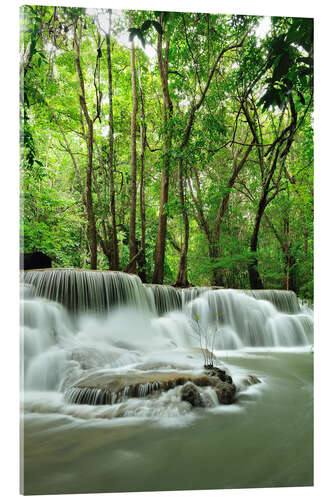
(79, 321)
(80, 290)
(103, 347)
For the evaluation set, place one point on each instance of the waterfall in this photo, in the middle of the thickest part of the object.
(168, 298)
(78, 323)
(248, 319)
(81, 290)
(283, 300)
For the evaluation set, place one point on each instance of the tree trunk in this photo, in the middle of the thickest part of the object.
(161, 233)
(143, 140)
(90, 208)
(217, 274)
(289, 281)
(114, 251)
(132, 224)
(254, 276)
(306, 244)
(182, 280)
(159, 256)
(90, 148)
(292, 273)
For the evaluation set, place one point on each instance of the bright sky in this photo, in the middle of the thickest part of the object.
(264, 27)
(122, 35)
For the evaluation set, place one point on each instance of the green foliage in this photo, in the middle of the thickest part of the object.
(266, 72)
(290, 70)
(140, 32)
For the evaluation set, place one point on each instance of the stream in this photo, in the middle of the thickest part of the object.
(79, 324)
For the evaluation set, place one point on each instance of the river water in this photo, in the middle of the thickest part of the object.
(264, 439)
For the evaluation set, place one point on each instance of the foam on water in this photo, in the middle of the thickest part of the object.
(107, 324)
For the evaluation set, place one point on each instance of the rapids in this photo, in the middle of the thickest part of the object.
(79, 325)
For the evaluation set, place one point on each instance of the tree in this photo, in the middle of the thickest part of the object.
(110, 246)
(211, 179)
(89, 139)
(163, 66)
(195, 107)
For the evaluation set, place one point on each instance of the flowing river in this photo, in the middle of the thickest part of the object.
(81, 329)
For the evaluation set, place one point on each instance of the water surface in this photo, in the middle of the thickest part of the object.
(264, 440)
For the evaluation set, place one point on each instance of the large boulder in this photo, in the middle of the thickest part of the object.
(225, 393)
(191, 393)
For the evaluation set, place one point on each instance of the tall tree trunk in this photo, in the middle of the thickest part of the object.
(182, 280)
(159, 256)
(217, 273)
(289, 260)
(254, 276)
(292, 273)
(90, 148)
(143, 141)
(114, 251)
(286, 247)
(90, 207)
(133, 250)
(306, 243)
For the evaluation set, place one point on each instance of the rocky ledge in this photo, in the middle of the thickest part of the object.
(102, 389)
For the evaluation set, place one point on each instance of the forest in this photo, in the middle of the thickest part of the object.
(175, 146)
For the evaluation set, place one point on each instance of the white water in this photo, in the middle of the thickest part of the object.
(130, 334)
(77, 325)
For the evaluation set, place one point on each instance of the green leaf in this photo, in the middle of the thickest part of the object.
(136, 32)
(146, 25)
(282, 67)
(42, 55)
(306, 60)
(157, 27)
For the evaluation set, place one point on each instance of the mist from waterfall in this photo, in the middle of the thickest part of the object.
(81, 322)
(106, 358)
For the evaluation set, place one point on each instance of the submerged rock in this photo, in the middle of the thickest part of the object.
(246, 382)
(225, 393)
(190, 393)
(251, 380)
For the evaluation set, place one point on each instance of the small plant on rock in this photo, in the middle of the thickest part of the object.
(206, 336)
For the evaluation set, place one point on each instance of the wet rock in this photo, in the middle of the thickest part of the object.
(213, 371)
(35, 260)
(225, 393)
(251, 380)
(106, 388)
(191, 393)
